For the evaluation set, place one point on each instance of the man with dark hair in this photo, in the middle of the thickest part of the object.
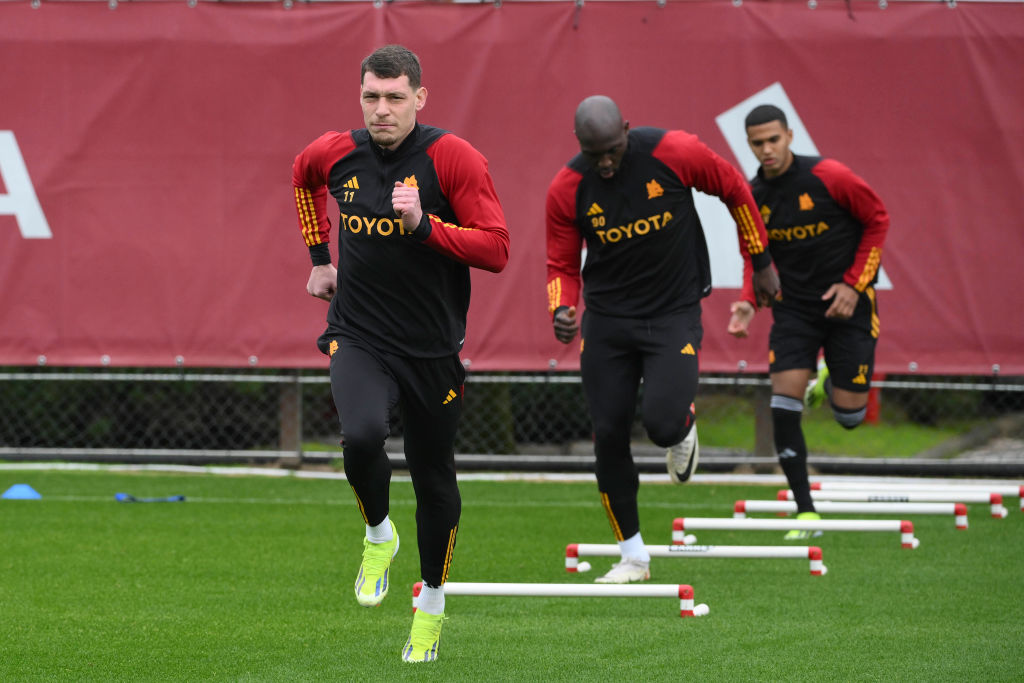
(418, 209)
(393, 61)
(628, 197)
(826, 229)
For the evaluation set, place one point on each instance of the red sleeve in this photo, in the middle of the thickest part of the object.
(482, 239)
(564, 240)
(309, 179)
(854, 195)
(699, 167)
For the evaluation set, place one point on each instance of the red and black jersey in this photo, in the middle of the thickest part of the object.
(408, 294)
(825, 225)
(646, 252)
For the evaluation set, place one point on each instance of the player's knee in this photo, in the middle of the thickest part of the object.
(365, 441)
(849, 418)
(665, 435)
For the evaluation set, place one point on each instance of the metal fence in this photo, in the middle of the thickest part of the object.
(510, 419)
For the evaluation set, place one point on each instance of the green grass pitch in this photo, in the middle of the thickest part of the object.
(251, 579)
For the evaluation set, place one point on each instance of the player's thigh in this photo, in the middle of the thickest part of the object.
(364, 392)
(671, 366)
(850, 355)
(796, 336)
(610, 368)
(432, 395)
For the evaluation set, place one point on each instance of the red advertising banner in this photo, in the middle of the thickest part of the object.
(146, 208)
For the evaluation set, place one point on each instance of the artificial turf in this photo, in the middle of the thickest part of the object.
(250, 579)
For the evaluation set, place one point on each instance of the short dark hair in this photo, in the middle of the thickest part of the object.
(392, 61)
(766, 113)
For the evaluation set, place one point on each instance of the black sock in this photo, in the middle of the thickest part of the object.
(792, 449)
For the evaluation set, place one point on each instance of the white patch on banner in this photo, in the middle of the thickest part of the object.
(719, 227)
(20, 200)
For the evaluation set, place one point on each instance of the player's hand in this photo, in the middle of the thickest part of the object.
(766, 286)
(742, 314)
(844, 300)
(406, 202)
(323, 281)
(565, 323)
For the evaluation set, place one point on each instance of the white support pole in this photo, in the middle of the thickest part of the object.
(906, 529)
(958, 510)
(575, 590)
(1005, 490)
(995, 500)
(574, 551)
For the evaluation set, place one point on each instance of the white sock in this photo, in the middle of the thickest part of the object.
(380, 533)
(634, 547)
(431, 599)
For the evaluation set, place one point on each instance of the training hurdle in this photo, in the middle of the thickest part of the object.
(578, 590)
(574, 551)
(958, 510)
(681, 525)
(995, 500)
(1005, 490)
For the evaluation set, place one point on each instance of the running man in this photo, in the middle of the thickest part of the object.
(628, 197)
(418, 209)
(826, 229)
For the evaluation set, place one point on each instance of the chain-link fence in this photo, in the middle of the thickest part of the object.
(509, 418)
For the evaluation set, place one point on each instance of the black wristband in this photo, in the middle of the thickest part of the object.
(423, 229)
(762, 260)
(320, 254)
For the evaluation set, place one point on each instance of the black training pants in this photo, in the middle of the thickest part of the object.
(367, 384)
(616, 354)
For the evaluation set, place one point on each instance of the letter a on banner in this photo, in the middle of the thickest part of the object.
(20, 200)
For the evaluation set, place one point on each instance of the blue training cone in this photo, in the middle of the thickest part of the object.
(21, 492)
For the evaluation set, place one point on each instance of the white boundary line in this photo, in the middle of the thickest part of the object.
(737, 479)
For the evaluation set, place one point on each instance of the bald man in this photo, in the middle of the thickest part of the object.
(627, 197)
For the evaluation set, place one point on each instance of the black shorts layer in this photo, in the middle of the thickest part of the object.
(800, 330)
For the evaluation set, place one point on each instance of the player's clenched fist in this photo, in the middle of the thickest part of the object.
(565, 323)
(323, 281)
(405, 199)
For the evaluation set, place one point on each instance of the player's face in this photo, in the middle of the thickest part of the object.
(604, 152)
(770, 144)
(389, 108)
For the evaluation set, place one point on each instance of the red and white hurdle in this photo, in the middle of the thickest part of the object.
(574, 551)
(958, 510)
(1005, 490)
(995, 500)
(579, 590)
(681, 525)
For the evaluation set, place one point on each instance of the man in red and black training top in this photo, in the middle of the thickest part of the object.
(826, 228)
(418, 209)
(628, 197)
